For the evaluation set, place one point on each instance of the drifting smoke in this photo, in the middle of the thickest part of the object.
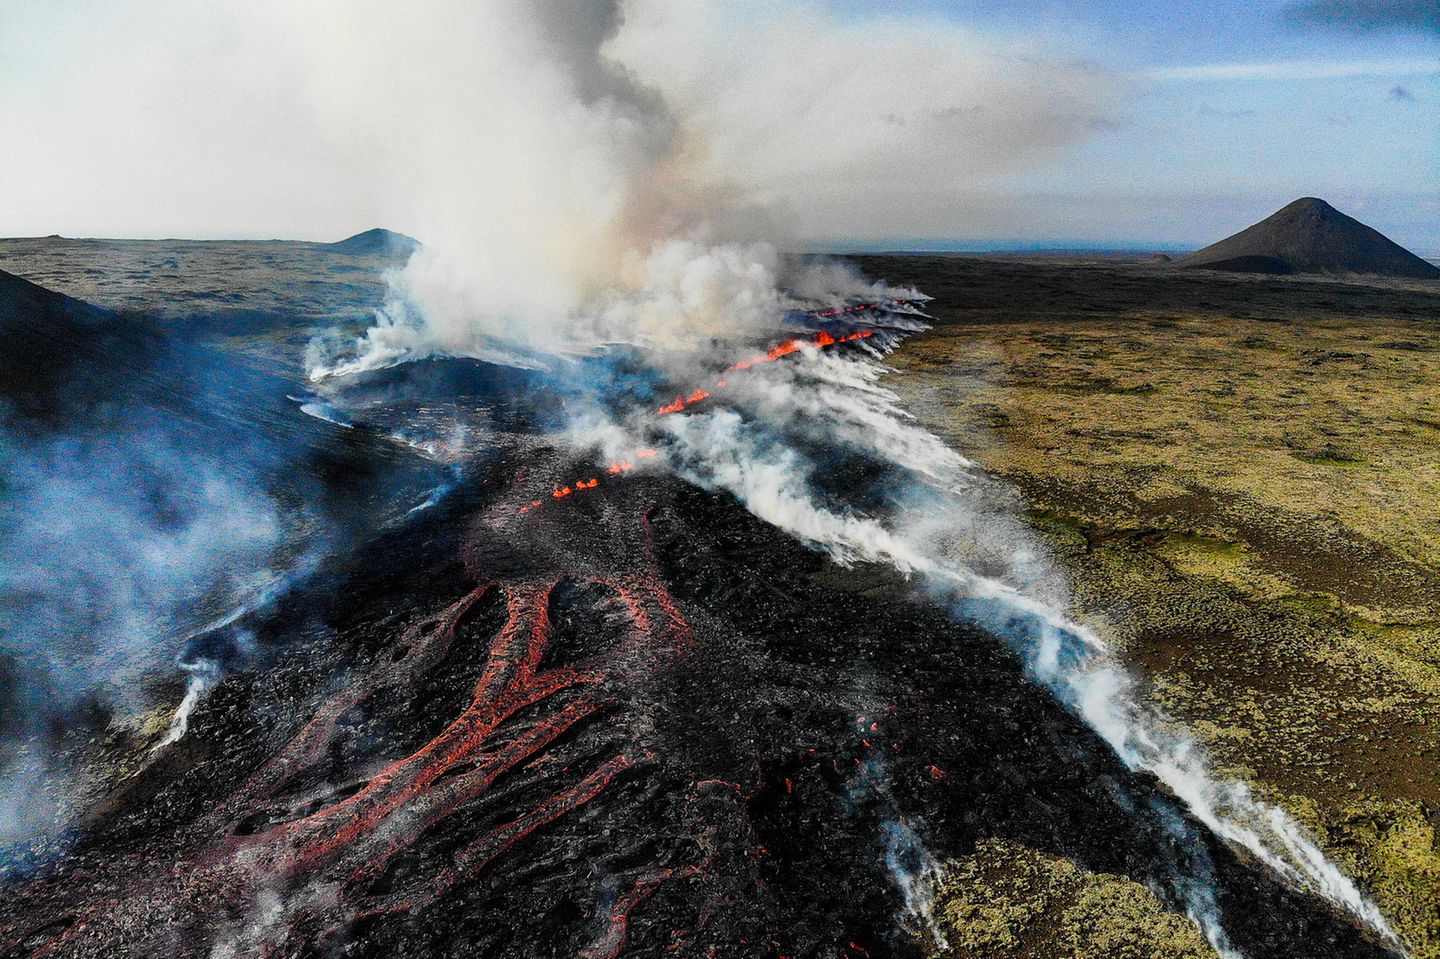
(589, 225)
(110, 547)
(490, 128)
(913, 870)
(115, 547)
(216, 647)
(203, 673)
(917, 875)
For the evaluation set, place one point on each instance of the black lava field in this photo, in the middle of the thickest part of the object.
(631, 719)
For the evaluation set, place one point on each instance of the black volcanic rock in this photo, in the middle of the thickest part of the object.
(376, 242)
(1159, 258)
(1310, 236)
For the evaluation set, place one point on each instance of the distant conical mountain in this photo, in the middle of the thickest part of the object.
(1310, 236)
(376, 242)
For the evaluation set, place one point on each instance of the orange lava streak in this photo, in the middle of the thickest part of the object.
(461, 788)
(681, 403)
(507, 686)
(352, 841)
(480, 852)
(681, 635)
(425, 646)
(820, 340)
(612, 940)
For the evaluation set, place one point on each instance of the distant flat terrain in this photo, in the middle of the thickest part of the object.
(236, 288)
(1004, 288)
(1239, 476)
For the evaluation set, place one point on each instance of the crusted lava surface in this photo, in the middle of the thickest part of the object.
(639, 722)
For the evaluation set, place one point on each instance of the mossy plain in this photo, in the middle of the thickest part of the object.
(1240, 478)
(1008, 900)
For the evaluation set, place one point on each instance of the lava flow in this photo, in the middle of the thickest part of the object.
(793, 345)
(290, 827)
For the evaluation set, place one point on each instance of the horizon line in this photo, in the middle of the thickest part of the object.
(810, 247)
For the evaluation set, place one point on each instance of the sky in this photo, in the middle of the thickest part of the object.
(859, 123)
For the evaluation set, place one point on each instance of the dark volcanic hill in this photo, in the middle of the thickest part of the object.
(20, 297)
(1310, 236)
(637, 721)
(376, 242)
(59, 353)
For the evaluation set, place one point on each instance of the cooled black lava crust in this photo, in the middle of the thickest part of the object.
(756, 726)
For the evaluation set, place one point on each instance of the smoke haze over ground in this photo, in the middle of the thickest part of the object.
(575, 114)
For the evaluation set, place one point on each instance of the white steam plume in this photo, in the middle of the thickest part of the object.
(202, 675)
(862, 125)
(917, 875)
(581, 173)
(561, 204)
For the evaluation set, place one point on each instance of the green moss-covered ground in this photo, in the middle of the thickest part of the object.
(1249, 506)
(1006, 900)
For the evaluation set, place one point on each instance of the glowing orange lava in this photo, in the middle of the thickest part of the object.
(820, 340)
(681, 402)
(700, 395)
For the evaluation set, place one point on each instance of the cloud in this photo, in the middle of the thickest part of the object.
(1297, 70)
(316, 119)
(1368, 16)
(827, 116)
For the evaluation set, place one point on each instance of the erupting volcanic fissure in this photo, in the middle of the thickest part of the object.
(680, 404)
(793, 345)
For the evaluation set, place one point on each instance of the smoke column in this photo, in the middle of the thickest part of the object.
(569, 210)
(575, 183)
